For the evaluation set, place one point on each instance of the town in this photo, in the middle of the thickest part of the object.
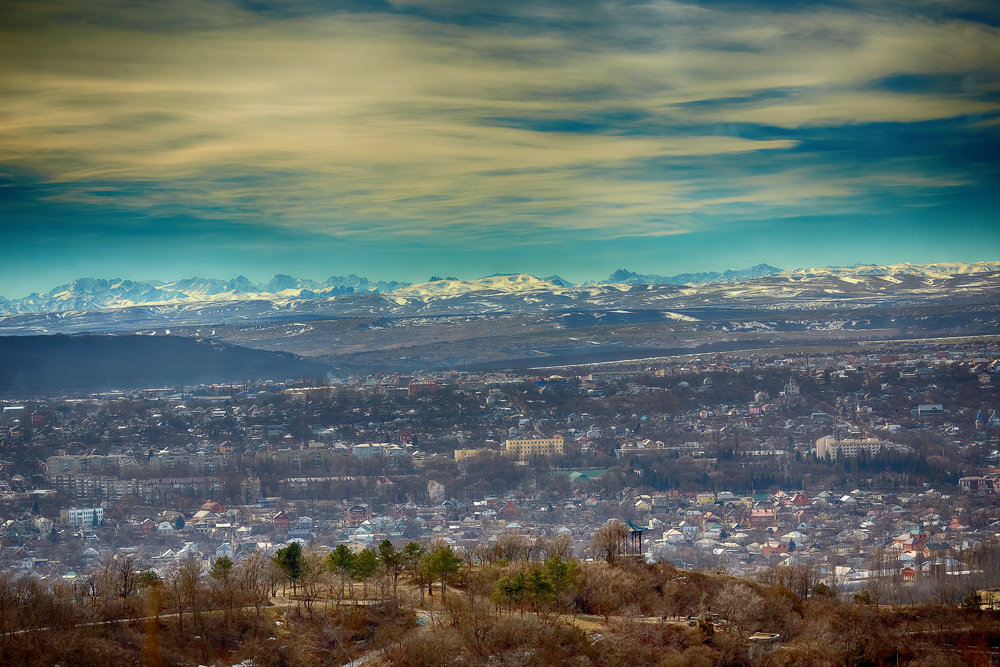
(870, 470)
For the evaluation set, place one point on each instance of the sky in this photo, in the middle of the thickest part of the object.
(400, 140)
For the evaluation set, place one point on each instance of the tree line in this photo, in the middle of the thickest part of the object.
(512, 601)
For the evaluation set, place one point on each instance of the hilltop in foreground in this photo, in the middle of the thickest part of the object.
(501, 611)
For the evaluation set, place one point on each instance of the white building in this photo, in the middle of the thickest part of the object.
(372, 449)
(90, 516)
(851, 447)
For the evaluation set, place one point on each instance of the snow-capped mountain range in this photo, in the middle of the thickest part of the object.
(99, 293)
(759, 287)
(936, 270)
(621, 276)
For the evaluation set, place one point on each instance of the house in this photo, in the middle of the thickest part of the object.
(673, 536)
(774, 547)
(281, 522)
(928, 410)
(705, 498)
(976, 485)
(204, 520)
(207, 516)
(225, 551)
(914, 539)
(793, 536)
(357, 514)
(935, 549)
(510, 511)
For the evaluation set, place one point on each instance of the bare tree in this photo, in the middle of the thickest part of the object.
(739, 604)
(876, 584)
(512, 547)
(128, 582)
(609, 540)
(182, 586)
(224, 579)
(312, 578)
(252, 580)
(558, 545)
(482, 554)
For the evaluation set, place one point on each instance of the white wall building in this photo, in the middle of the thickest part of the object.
(851, 447)
(90, 516)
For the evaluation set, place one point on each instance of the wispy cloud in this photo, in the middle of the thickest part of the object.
(372, 123)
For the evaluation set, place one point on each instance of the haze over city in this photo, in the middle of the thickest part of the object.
(409, 139)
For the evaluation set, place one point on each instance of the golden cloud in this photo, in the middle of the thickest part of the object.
(361, 124)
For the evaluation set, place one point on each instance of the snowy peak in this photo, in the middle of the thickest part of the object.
(557, 280)
(86, 294)
(354, 283)
(621, 276)
(283, 282)
(758, 285)
(241, 284)
(624, 277)
(858, 271)
(935, 270)
(506, 284)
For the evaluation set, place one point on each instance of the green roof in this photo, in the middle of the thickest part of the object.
(581, 474)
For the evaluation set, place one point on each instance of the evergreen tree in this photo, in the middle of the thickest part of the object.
(392, 560)
(442, 564)
(340, 561)
(289, 561)
(365, 565)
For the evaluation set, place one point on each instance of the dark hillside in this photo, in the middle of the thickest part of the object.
(45, 365)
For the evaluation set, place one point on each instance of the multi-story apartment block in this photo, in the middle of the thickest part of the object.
(113, 464)
(524, 448)
(851, 447)
(193, 464)
(92, 486)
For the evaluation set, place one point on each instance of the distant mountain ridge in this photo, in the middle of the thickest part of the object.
(100, 293)
(622, 276)
(931, 270)
(294, 294)
(500, 321)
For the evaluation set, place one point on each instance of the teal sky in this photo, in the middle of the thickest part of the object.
(403, 139)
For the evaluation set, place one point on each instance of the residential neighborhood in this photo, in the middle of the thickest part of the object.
(832, 464)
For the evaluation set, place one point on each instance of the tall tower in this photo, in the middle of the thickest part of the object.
(792, 390)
